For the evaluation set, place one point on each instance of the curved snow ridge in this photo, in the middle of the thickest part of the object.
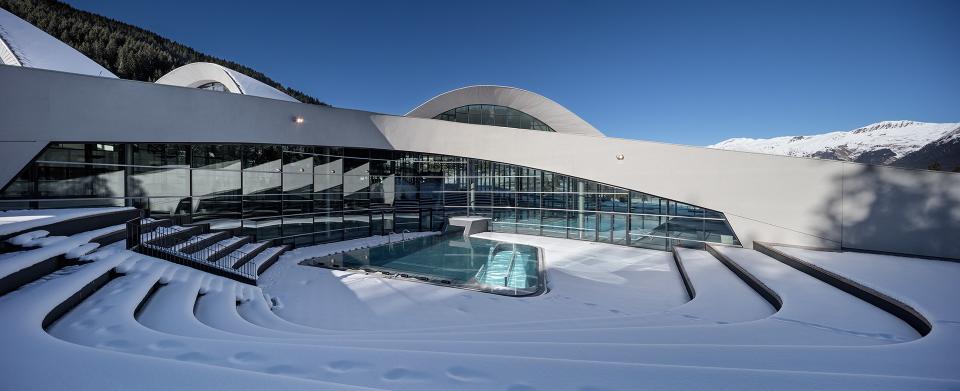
(424, 366)
(892, 306)
(724, 299)
(799, 322)
(176, 320)
(78, 367)
(225, 317)
(186, 297)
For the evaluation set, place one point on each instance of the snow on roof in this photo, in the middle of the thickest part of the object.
(199, 73)
(22, 44)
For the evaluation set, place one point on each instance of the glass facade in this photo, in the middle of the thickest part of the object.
(494, 115)
(213, 86)
(315, 194)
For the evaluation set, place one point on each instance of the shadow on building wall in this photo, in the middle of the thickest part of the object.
(897, 210)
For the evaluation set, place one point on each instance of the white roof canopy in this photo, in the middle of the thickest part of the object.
(23, 44)
(536, 105)
(199, 73)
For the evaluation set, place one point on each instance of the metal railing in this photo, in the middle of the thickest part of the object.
(513, 259)
(215, 258)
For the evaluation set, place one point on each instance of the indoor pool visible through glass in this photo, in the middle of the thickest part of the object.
(450, 259)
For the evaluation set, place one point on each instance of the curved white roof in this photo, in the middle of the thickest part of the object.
(23, 44)
(538, 106)
(200, 73)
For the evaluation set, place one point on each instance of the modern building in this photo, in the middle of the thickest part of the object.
(573, 290)
(256, 160)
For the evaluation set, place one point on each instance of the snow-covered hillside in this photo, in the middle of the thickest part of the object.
(880, 143)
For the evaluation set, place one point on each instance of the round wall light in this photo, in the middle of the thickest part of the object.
(298, 120)
(619, 156)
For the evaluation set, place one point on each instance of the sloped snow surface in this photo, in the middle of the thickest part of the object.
(614, 318)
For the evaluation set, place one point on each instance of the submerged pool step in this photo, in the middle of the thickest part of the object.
(506, 268)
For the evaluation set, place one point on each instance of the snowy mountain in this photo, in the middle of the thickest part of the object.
(901, 143)
(944, 152)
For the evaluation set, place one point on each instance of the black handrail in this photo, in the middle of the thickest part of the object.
(163, 244)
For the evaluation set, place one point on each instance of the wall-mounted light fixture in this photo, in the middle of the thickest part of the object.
(298, 120)
(619, 156)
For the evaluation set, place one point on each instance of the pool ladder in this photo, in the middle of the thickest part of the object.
(513, 259)
(402, 237)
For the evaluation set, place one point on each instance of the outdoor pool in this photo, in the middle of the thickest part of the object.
(449, 259)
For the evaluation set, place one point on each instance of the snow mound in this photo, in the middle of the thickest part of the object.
(26, 238)
(81, 250)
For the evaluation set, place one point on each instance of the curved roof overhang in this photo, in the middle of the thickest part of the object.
(536, 105)
(196, 74)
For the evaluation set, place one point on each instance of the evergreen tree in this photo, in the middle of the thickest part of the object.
(128, 51)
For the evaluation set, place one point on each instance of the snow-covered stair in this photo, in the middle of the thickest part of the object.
(159, 233)
(189, 327)
(196, 241)
(491, 361)
(266, 258)
(222, 248)
(244, 254)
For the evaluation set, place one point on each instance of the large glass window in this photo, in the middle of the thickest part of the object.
(494, 115)
(317, 194)
(213, 86)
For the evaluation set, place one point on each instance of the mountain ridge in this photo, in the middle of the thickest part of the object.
(902, 143)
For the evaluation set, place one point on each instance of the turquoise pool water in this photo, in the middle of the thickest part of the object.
(449, 259)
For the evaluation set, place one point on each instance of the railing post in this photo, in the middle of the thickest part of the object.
(133, 233)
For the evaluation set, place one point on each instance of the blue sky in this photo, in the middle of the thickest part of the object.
(674, 71)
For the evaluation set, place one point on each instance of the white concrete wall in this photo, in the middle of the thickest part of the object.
(765, 197)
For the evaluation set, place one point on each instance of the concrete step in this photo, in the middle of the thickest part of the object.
(267, 258)
(227, 246)
(174, 238)
(198, 242)
(76, 225)
(248, 252)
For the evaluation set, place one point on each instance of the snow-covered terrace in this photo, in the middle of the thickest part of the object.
(613, 318)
